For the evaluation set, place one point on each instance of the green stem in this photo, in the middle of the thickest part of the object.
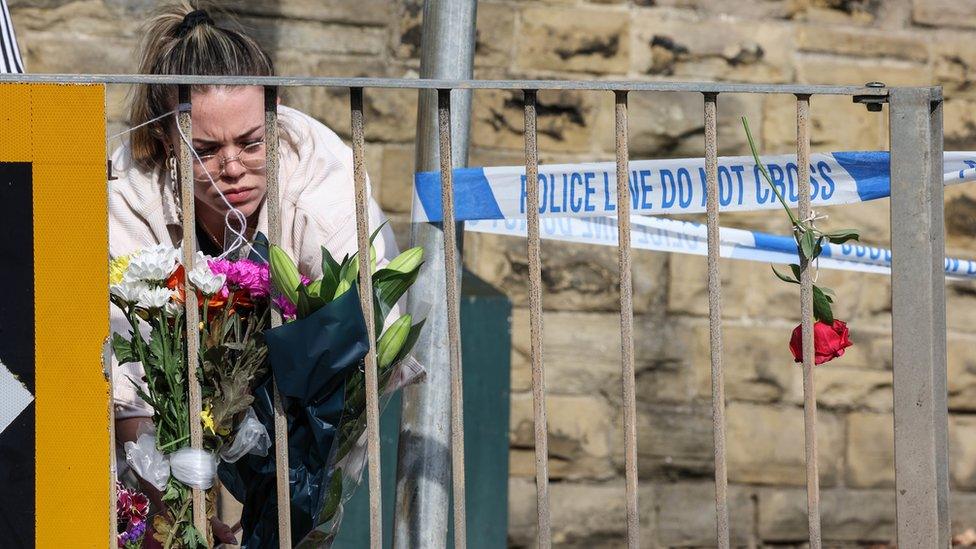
(769, 180)
(177, 519)
(171, 443)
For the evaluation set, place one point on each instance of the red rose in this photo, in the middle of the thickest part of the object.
(829, 341)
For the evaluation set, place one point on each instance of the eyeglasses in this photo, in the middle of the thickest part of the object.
(251, 157)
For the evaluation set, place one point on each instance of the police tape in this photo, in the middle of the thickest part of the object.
(669, 235)
(674, 186)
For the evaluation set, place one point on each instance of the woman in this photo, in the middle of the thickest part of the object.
(315, 172)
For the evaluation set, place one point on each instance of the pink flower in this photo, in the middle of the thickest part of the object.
(287, 308)
(244, 274)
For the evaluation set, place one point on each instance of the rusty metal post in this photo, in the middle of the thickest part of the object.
(806, 320)
(282, 483)
(715, 322)
(184, 120)
(624, 265)
(423, 463)
(533, 250)
(366, 297)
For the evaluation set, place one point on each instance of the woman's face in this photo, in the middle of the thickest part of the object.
(225, 121)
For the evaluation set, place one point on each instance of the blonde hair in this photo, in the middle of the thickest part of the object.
(175, 44)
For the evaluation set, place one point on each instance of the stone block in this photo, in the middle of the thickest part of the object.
(581, 352)
(821, 69)
(583, 515)
(835, 124)
(494, 38)
(842, 388)
(673, 441)
(351, 12)
(579, 436)
(691, 47)
(670, 125)
(757, 363)
(959, 126)
(686, 514)
(962, 508)
(567, 120)
(595, 41)
(315, 37)
(960, 306)
(575, 277)
(944, 13)
(846, 516)
(397, 174)
(766, 445)
(836, 12)
(870, 451)
(751, 290)
(961, 374)
(862, 43)
(962, 452)
(664, 372)
(954, 64)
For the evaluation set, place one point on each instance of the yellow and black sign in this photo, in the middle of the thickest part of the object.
(55, 453)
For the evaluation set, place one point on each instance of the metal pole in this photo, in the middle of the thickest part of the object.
(423, 462)
(918, 318)
(806, 319)
(189, 247)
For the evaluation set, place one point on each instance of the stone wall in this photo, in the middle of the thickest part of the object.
(900, 42)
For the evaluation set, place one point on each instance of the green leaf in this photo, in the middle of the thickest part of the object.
(122, 348)
(783, 277)
(843, 235)
(821, 306)
(819, 247)
(807, 245)
(315, 288)
(796, 270)
(389, 286)
(330, 273)
(333, 498)
(828, 291)
(411, 340)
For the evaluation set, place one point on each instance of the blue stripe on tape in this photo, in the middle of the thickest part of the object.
(473, 198)
(869, 170)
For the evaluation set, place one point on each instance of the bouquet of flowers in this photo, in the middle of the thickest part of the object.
(316, 358)
(132, 510)
(149, 287)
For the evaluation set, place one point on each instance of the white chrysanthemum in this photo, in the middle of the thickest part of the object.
(172, 308)
(204, 280)
(154, 298)
(129, 290)
(153, 264)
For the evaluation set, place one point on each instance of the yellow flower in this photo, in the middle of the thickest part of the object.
(117, 268)
(208, 420)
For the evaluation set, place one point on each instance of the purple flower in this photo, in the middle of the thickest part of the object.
(244, 274)
(287, 308)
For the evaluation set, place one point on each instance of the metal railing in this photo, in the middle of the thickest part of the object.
(918, 295)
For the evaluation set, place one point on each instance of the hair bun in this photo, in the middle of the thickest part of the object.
(191, 20)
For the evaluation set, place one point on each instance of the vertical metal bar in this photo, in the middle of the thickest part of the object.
(192, 312)
(282, 484)
(626, 319)
(535, 323)
(715, 323)
(918, 321)
(366, 297)
(423, 467)
(453, 317)
(806, 314)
